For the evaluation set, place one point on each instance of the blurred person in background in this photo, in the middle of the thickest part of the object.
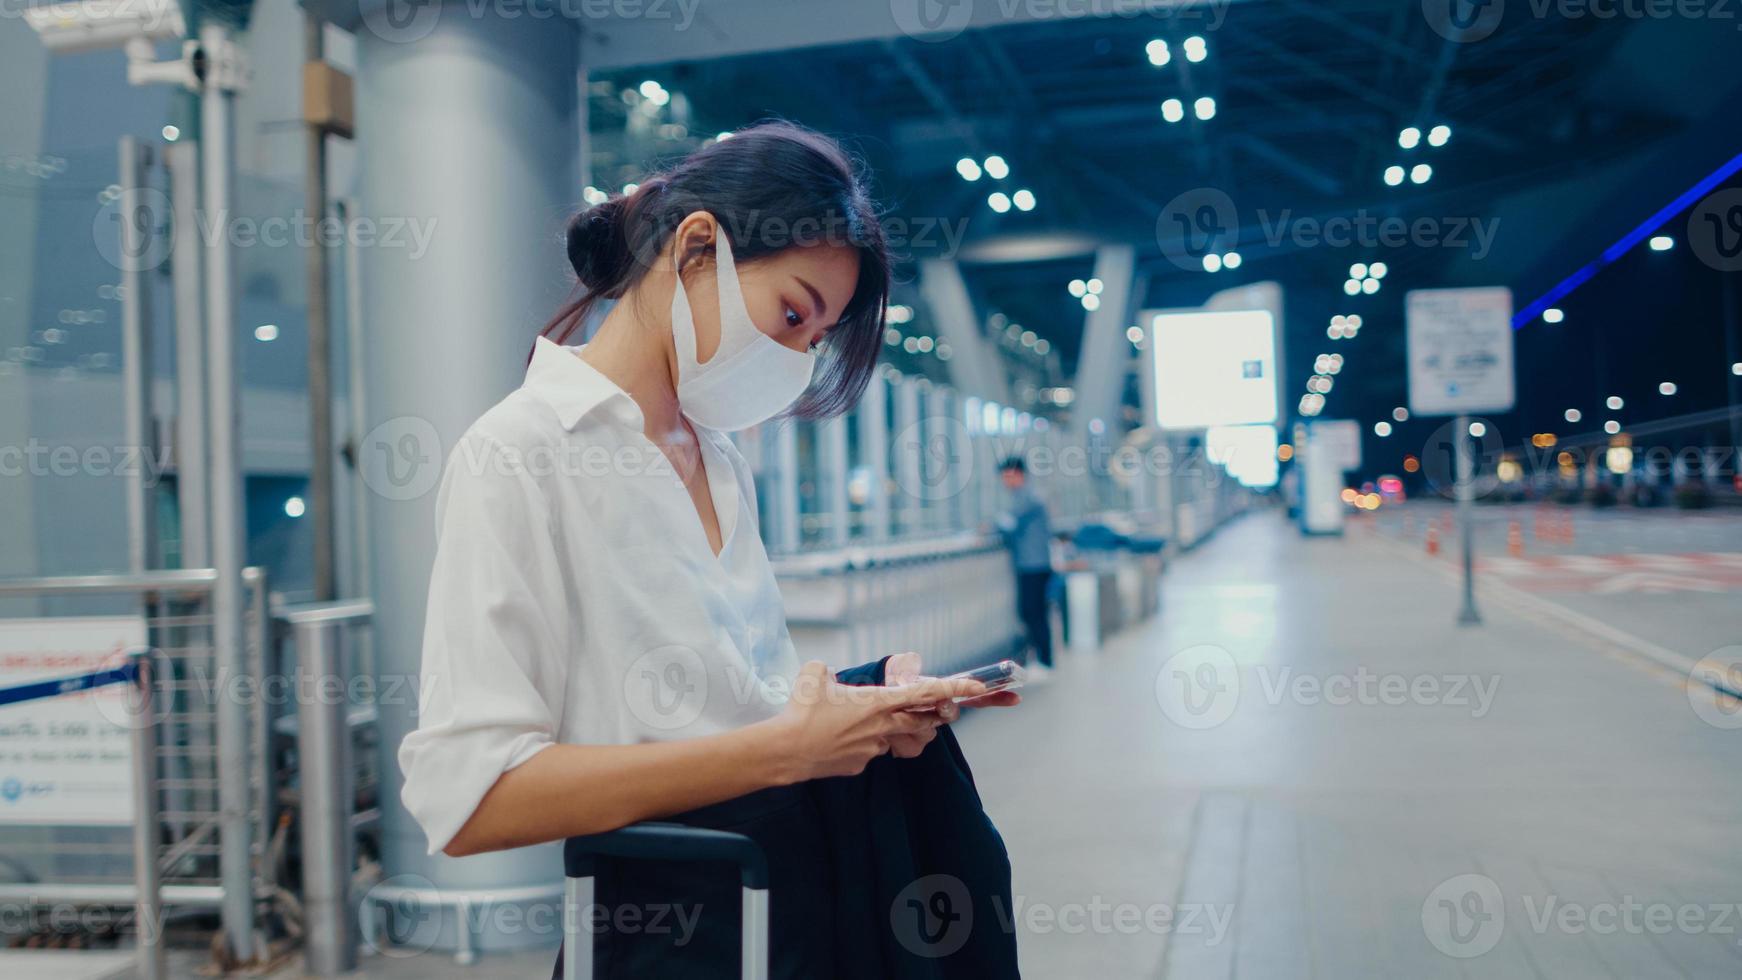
(1027, 532)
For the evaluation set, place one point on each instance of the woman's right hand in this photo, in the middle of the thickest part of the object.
(832, 729)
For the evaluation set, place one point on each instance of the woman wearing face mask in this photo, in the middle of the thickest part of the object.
(605, 641)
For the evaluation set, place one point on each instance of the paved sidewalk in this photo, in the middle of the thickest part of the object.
(1305, 746)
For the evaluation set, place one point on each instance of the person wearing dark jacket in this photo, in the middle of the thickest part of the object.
(1028, 534)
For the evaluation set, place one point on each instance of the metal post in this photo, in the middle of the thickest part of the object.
(235, 863)
(136, 219)
(147, 882)
(833, 473)
(786, 526)
(328, 797)
(909, 514)
(320, 353)
(874, 453)
(1468, 616)
(190, 357)
(354, 376)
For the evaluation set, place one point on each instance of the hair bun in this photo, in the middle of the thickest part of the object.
(597, 247)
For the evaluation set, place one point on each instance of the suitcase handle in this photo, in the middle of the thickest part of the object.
(664, 842)
(667, 842)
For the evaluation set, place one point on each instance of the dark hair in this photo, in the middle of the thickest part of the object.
(772, 186)
(1013, 463)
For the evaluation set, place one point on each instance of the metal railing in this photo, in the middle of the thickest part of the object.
(199, 846)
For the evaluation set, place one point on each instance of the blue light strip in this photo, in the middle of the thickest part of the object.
(1632, 238)
(37, 690)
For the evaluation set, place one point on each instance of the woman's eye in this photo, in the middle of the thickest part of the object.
(793, 318)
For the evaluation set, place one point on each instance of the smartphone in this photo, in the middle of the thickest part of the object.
(1004, 675)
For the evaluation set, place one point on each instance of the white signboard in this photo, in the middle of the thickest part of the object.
(1214, 368)
(1339, 440)
(66, 760)
(1460, 350)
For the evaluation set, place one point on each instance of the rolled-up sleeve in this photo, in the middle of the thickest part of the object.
(495, 641)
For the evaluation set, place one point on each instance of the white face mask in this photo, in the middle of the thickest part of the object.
(751, 378)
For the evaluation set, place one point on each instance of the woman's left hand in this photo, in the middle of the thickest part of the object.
(905, 668)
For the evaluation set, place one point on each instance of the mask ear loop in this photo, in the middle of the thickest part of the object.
(683, 322)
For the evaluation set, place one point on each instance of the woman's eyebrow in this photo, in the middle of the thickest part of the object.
(818, 307)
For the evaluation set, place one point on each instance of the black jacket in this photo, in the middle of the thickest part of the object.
(894, 873)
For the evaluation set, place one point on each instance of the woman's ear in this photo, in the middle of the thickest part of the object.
(694, 237)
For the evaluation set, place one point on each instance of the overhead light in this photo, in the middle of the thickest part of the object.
(171, 133)
(1614, 402)
(1205, 108)
(295, 507)
(630, 188)
(1736, 369)
(1354, 321)
(999, 201)
(1023, 199)
(1478, 430)
(1439, 135)
(926, 344)
(1393, 175)
(1091, 302)
(1662, 243)
(996, 168)
(1553, 315)
(1041, 346)
(1612, 427)
(1212, 262)
(1028, 338)
(1409, 138)
(1667, 388)
(1195, 48)
(1077, 288)
(1094, 286)
(1573, 415)
(1173, 110)
(1232, 260)
(722, 136)
(1400, 413)
(1352, 287)
(1382, 429)
(1369, 286)
(969, 170)
(1158, 53)
(1358, 271)
(1134, 334)
(1420, 173)
(266, 332)
(1378, 270)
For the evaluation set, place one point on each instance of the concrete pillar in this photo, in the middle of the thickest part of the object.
(1106, 353)
(468, 133)
(974, 366)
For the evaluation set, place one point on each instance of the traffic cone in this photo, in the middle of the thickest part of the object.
(1433, 539)
(1514, 539)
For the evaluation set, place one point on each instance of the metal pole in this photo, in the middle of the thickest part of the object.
(909, 512)
(874, 452)
(320, 354)
(354, 375)
(190, 358)
(324, 751)
(148, 904)
(786, 525)
(136, 219)
(1468, 616)
(833, 473)
(229, 526)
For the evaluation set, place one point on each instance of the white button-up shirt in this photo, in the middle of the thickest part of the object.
(575, 597)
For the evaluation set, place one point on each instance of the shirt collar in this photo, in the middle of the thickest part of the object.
(569, 385)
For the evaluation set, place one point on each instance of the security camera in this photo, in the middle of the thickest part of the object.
(91, 25)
